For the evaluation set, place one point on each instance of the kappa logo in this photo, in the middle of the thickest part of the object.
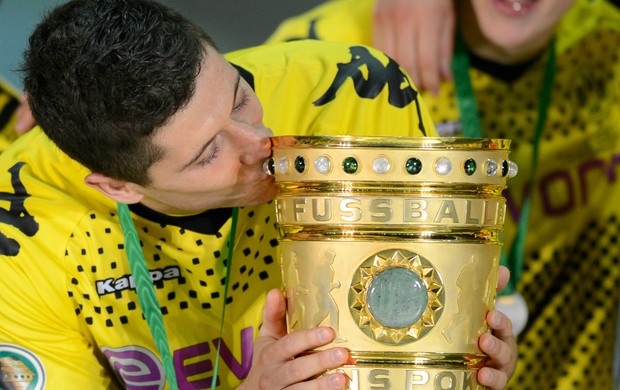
(369, 77)
(111, 285)
(20, 369)
(371, 85)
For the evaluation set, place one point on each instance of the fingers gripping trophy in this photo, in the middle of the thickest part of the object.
(395, 243)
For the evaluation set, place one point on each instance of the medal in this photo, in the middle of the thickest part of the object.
(515, 308)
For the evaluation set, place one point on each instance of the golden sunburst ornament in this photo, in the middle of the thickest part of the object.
(396, 296)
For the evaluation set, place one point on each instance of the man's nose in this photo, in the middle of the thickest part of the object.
(255, 145)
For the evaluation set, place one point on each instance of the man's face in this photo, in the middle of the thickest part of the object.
(511, 31)
(213, 149)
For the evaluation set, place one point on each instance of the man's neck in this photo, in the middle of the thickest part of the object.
(505, 72)
(208, 222)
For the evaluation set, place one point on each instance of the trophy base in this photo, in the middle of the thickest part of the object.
(420, 372)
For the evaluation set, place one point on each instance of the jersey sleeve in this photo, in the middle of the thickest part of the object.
(42, 345)
(311, 87)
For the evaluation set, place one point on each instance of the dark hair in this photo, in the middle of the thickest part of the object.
(103, 75)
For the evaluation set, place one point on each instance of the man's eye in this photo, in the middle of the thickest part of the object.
(242, 103)
(213, 153)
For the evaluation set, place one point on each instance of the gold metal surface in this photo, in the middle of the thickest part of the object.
(394, 243)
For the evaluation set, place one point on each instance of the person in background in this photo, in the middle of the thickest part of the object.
(9, 105)
(545, 74)
(138, 244)
(407, 30)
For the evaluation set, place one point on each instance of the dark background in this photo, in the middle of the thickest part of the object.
(233, 24)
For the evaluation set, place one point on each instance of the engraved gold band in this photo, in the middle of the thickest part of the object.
(412, 211)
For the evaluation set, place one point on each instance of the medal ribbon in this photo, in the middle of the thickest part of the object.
(148, 299)
(470, 120)
(231, 246)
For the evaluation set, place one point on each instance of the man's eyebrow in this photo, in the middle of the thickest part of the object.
(199, 154)
(206, 145)
(237, 82)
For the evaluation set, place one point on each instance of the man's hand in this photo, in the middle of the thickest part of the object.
(276, 364)
(419, 35)
(500, 345)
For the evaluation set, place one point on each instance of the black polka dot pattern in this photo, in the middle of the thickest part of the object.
(574, 299)
(188, 269)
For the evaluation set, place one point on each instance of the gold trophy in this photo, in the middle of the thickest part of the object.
(394, 243)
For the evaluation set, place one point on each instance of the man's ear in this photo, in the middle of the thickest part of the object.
(118, 190)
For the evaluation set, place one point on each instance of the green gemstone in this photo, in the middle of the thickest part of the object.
(397, 297)
(350, 165)
(413, 166)
(470, 167)
(300, 164)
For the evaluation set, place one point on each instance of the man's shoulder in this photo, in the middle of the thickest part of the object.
(305, 61)
(43, 197)
(305, 87)
(335, 20)
(43, 160)
(311, 50)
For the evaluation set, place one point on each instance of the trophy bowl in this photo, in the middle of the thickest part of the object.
(394, 243)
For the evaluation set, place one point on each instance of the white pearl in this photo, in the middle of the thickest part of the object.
(443, 166)
(282, 165)
(381, 165)
(513, 169)
(323, 164)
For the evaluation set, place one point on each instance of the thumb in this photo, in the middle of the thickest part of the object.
(274, 315)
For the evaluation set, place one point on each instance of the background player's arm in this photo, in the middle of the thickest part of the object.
(419, 35)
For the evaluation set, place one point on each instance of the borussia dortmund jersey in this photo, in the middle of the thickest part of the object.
(8, 104)
(571, 274)
(70, 316)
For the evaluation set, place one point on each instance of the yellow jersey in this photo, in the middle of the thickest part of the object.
(70, 316)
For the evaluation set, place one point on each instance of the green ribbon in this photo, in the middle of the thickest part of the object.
(470, 120)
(231, 246)
(148, 299)
(146, 292)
